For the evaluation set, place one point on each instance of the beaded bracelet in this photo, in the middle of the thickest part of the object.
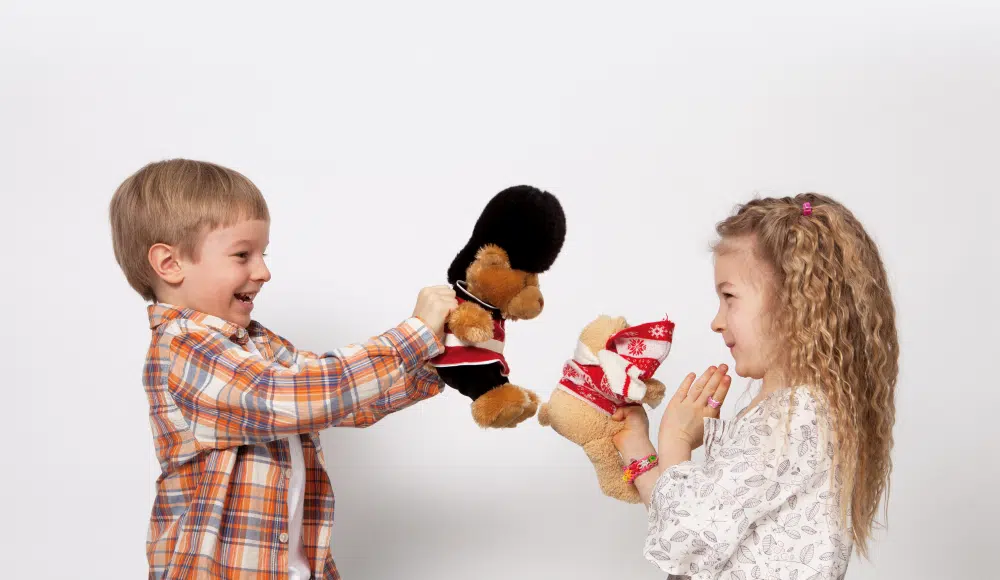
(637, 468)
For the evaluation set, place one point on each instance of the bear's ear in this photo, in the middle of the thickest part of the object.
(492, 256)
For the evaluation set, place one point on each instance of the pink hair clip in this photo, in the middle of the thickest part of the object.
(807, 209)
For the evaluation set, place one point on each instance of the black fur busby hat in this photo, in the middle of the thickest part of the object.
(528, 223)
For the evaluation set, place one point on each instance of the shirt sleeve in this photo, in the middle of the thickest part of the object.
(700, 513)
(416, 386)
(230, 397)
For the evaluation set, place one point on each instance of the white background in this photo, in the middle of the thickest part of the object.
(377, 133)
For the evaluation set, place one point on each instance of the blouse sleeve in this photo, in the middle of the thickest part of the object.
(700, 513)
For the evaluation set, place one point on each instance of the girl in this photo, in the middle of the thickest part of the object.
(793, 482)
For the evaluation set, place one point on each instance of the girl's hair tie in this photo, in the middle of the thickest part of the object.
(807, 209)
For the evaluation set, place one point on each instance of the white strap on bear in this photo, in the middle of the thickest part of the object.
(623, 376)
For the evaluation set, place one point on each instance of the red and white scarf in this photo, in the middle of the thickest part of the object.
(613, 377)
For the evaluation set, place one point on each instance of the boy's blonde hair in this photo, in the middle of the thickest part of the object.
(176, 202)
(834, 327)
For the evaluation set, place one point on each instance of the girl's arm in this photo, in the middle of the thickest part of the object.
(638, 447)
(680, 431)
(672, 452)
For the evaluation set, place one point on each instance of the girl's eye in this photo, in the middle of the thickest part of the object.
(243, 255)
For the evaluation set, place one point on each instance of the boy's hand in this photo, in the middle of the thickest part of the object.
(684, 418)
(434, 304)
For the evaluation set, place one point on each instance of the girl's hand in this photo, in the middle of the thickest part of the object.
(636, 429)
(632, 442)
(684, 416)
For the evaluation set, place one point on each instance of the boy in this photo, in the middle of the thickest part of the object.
(234, 408)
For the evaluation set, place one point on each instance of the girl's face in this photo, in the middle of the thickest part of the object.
(741, 283)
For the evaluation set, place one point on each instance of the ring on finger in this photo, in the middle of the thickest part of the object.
(713, 403)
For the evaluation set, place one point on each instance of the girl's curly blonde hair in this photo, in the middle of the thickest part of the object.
(834, 326)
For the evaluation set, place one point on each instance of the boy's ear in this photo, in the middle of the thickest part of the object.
(165, 261)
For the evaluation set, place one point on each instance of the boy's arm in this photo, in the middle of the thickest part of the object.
(230, 398)
(415, 386)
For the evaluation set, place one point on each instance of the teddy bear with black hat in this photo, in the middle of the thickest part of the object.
(496, 279)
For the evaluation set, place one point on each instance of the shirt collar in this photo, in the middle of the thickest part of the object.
(161, 313)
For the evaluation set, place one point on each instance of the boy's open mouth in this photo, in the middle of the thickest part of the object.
(248, 298)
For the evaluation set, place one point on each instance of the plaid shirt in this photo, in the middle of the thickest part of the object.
(218, 414)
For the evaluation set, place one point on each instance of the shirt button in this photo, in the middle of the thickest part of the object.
(283, 538)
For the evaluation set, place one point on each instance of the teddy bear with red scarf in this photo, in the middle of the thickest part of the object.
(612, 367)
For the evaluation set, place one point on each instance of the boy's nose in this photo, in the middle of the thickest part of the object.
(263, 273)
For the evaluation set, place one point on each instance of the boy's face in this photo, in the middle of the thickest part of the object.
(229, 273)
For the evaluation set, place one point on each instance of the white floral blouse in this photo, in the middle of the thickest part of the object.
(759, 506)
